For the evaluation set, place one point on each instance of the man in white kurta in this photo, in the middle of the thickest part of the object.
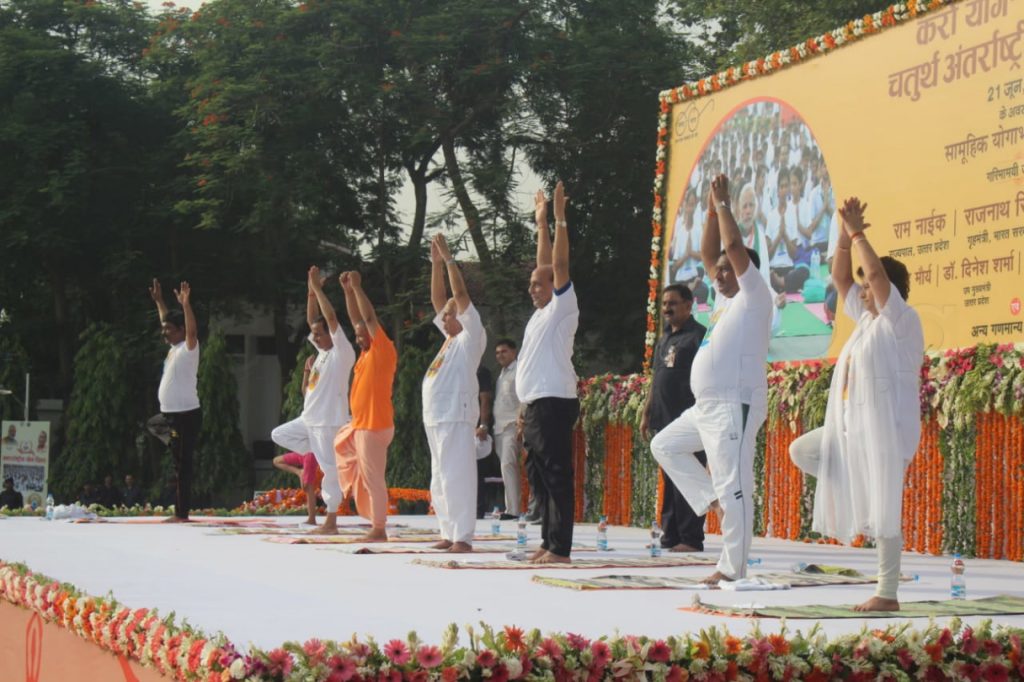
(873, 419)
(729, 381)
(451, 408)
(325, 402)
(506, 417)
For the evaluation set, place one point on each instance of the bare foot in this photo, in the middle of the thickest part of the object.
(877, 603)
(537, 554)
(460, 548)
(444, 544)
(375, 535)
(311, 521)
(716, 578)
(324, 530)
(549, 558)
(175, 519)
(683, 547)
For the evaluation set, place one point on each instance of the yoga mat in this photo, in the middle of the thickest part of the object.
(212, 523)
(490, 549)
(350, 540)
(797, 320)
(609, 562)
(303, 529)
(1000, 605)
(657, 582)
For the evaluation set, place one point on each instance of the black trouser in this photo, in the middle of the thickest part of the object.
(679, 523)
(185, 428)
(547, 438)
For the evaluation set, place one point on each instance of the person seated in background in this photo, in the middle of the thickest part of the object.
(10, 497)
(305, 467)
(131, 496)
(89, 495)
(109, 496)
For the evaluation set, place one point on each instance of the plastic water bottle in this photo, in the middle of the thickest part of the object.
(798, 567)
(755, 561)
(655, 540)
(49, 507)
(602, 534)
(815, 264)
(496, 522)
(521, 534)
(957, 583)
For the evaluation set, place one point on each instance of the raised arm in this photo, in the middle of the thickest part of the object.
(454, 274)
(351, 305)
(710, 239)
(842, 265)
(306, 369)
(540, 214)
(184, 295)
(732, 241)
(312, 307)
(316, 285)
(852, 214)
(560, 255)
(157, 294)
(438, 293)
(366, 312)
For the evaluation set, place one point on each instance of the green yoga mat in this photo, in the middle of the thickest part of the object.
(657, 582)
(797, 320)
(1000, 605)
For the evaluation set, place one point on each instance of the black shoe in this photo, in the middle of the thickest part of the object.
(508, 517)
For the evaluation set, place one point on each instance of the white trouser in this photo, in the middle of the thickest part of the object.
(299, 437)
(805, 452)
(453, 478)
(507, 446)
(727, 432)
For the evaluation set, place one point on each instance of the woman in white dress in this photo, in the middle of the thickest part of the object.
(873, 419)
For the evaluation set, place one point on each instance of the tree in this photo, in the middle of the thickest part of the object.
(732, 31)
(223, 467)
(76, 132)
(103, 417)
(592, 89)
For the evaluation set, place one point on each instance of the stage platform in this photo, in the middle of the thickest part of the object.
(266, 593)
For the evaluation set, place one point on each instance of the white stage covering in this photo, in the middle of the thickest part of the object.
(263, 593)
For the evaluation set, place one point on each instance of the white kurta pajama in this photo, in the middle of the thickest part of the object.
(871, 431)
(451, 410)
(324, 411)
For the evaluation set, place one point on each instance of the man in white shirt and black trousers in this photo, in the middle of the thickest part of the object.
(546, 384)
(178, 393)
(729, 380)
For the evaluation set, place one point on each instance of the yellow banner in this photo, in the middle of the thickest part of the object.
(924, 121)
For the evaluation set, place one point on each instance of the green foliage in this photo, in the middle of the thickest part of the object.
(223, 467)
(645, 482)
(731, 32)
(103, 416)
(13, 365)
(959, 509)
(409, 454)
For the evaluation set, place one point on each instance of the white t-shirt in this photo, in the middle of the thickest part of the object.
(450, 389)
(326, 399)
(178, 391)
(545, 362)
(506, 402)
(731, 361)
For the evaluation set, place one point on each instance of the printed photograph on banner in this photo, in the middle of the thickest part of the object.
(25, 457)
(783, 202)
